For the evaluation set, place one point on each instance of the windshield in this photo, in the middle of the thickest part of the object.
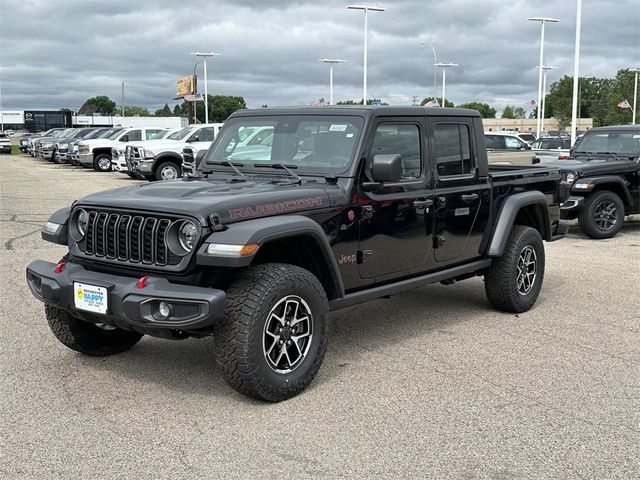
(60, 133)
(95, 133)
(613, 141)
(312, 143)
(111, 133)
(161, 134)
(180, 134)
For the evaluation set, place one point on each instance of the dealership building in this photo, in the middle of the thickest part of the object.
(41, 120)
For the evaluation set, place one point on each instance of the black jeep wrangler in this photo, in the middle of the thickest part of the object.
(603, 174)
(338, 206)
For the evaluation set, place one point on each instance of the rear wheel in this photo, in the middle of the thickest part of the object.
(96, 339)
(167, 171)
(102, 163)
(274, 336)
(602, 215)
(513, 281)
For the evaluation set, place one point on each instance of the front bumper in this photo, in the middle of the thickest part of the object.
(119, 164)
(5, 148)
(570, 208)
(45, 154)
(144, 166)
(85, 159)
(193, 308)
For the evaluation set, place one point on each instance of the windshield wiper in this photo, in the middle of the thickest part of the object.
(281, 166)
(227, 164)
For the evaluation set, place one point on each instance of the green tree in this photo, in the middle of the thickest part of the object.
(486, 110)
(519, 112)
(508, 112)
(133, 111)
(100, 104)
(220, 107)
(163, 112)
(621, 89)
(429, 99)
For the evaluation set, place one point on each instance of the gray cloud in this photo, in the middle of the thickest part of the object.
(57, 54)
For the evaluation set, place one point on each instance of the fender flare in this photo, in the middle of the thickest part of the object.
(604, 180)
(161, 157)
(507, 216)
(265, 230)
(61, 217)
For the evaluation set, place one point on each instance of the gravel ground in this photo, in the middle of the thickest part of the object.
(431, 383)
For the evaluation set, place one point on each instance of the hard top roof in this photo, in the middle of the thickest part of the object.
(361, 110)
(615, 127)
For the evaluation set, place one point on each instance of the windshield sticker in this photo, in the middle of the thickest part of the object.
(338, 128)
(272, 208)
(349, 135)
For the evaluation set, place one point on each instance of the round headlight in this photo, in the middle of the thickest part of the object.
(78, 224)
(570, 177)
(188, 235)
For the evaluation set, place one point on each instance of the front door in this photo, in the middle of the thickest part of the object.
(395, 221)
(462, 194)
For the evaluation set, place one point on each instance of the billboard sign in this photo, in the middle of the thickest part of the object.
(186, 86)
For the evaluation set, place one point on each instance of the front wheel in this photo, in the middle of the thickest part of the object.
(96, 339)
(274, 336)
(513, 282)
(602, 215)
(167, 171)
(102, 163)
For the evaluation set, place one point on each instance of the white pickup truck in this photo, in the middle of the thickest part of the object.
(162, 159)
(96, 152)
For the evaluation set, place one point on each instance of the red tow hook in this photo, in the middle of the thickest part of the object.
(60, 267)
(142, 282)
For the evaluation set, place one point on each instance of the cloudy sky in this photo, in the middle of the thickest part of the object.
(57, 54)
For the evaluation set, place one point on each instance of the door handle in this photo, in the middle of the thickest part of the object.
(423, 203)
(468, 198)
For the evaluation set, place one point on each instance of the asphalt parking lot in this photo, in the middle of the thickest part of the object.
(431, 383)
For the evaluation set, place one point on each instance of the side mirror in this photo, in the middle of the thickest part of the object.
(193, 138)
(200, 155)
(124, 138)
(386, 168)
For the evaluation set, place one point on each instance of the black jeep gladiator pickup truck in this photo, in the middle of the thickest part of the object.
(340, 206)
(604, 176)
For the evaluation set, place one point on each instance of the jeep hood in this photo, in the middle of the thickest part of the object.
(233, 202)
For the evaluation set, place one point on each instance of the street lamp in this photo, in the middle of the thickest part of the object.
(331, 63)
(444, 67)
(545, 68)
(206, 92)
(576, 74)
(542, 21)
(195, 101)
(366, 9)
(435, 73)
(635, 93)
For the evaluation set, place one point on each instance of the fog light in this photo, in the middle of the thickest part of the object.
(164, 310)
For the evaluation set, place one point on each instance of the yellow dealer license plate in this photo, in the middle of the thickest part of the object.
(90, 297)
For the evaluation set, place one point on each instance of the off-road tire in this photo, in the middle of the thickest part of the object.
(500, 279)
(586, 217)
(96, 163)
(163, 165)
(87, 338)
(239, 338)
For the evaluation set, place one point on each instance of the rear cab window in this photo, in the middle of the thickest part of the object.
(452, 149)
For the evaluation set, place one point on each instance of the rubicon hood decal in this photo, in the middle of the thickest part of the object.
(277, 207)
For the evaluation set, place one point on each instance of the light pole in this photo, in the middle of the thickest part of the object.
(576, 73)
(123, 99)
(204, 56)
(444, 67)
(1, 109)
(545, 68)
(542, 21)
(331, 63)
(435, 70)
(635, 94)
(195, 101)
(366, 9)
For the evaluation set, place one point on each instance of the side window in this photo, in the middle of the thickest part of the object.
(512, 143)
(453, 149)
(149, 134)
(403, 140)
(134, 135)
(494, 142)
(206, 134)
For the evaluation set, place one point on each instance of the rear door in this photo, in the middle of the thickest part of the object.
(395, 221)
(462, 193)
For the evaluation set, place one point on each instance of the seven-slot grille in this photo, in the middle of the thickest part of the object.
(128, 238)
